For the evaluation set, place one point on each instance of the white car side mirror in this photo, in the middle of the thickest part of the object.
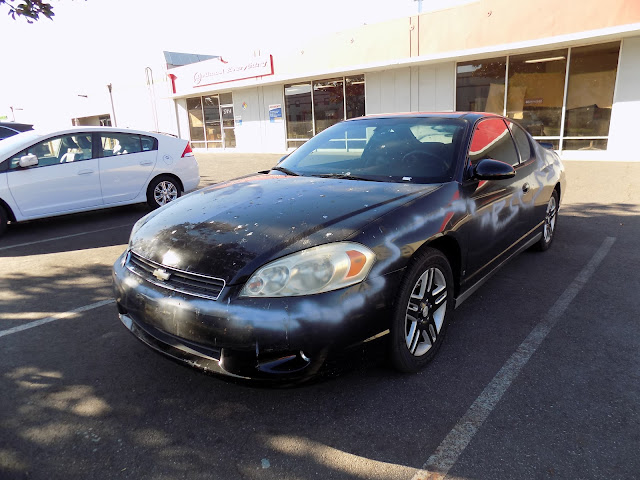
(28, 160)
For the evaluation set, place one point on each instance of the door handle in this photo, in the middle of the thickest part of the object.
(85, 172)
(146, 162)
(526, 187)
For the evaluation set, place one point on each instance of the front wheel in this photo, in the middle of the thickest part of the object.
(4, 218)
(549, 226)
(422, 311)
(162, 190)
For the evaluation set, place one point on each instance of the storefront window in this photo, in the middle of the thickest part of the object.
(196, 123)
(592, 76)
(480, 85)
(211, 122)
(309, 110)
(328, 103)
(354, 92)
(535, 91)
(297, 100)
(536, 94)
(212, 118)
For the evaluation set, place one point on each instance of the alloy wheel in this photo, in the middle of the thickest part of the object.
(550, 219)
(165, 192)
(425, 312)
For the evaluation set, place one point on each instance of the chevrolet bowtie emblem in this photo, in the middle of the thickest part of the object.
(161, 274)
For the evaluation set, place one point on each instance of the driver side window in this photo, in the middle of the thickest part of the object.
(491, 139)
(53, 151)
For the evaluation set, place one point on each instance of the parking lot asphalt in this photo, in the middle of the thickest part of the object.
(539, 376)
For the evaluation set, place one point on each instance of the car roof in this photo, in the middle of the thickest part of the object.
(469, 116)
(88, 129)
(21, 127)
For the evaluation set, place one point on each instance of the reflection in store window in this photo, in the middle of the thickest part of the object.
(297, 100)
(311, 110)
(196, 123)
(212, 118)
(592, 76)
(536, 91)
(480, 85)
(354, 92)
(595, 144)
(328, 103)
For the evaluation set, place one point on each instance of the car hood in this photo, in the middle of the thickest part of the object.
(230, 229)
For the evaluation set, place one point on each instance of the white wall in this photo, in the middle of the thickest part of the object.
(256, 133)
(432, 87)
(623, 131)
(428, 88)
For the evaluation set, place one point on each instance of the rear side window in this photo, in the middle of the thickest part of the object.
(124, 143)
(491, 139)
(148, 143)
(522, 141)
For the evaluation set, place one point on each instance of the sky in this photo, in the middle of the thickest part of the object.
(56, 64)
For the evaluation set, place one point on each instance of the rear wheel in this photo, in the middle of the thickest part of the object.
(549, 226)
(162, 190)
(422, 312)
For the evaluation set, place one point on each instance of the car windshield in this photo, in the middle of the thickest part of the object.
(400, 149)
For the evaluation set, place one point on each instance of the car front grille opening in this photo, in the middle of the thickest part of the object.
(174, 279)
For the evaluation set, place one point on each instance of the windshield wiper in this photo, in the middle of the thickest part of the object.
(348, 176)
(286, 170)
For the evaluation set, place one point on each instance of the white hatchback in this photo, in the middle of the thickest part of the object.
(87, 168)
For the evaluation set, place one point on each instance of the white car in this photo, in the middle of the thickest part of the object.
(87, 168)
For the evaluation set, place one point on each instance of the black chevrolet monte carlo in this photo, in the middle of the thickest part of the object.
(377, 226)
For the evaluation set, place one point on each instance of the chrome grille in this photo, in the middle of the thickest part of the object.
(177, 280)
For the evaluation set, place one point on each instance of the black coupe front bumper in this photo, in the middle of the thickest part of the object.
(255, 338)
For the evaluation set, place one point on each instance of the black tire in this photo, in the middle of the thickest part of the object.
(421, 315)
(4, 218)
(162, 190)
(550, 223)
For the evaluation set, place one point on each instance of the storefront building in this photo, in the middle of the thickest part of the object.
(566, 72)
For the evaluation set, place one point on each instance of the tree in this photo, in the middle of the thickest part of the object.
(31, 10)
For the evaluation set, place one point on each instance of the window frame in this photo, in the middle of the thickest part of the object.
(468, 162)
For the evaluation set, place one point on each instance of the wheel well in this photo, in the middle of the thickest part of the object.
(7, 209)
(170, 175)
(451, 249)
(557, 188)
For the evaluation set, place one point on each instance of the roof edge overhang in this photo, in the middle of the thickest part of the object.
(560, 41)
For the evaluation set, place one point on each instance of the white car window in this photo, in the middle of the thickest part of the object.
(53, 151)
(120, 144)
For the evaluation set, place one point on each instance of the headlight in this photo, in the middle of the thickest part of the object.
(315, 270)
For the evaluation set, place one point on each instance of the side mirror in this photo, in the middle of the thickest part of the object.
(489, 169)
(546, 145)
(28, 160)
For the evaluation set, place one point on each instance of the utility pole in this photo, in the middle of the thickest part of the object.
(113, 110)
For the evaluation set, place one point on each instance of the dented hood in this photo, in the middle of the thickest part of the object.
(230, 229)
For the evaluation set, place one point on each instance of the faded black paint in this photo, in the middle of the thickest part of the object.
(231, 229)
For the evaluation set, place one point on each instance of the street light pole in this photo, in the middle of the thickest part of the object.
(13, 113)
(113, 110)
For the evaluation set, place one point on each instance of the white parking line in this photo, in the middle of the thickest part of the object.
(57, 316)
(63, 237)
(447, 454)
